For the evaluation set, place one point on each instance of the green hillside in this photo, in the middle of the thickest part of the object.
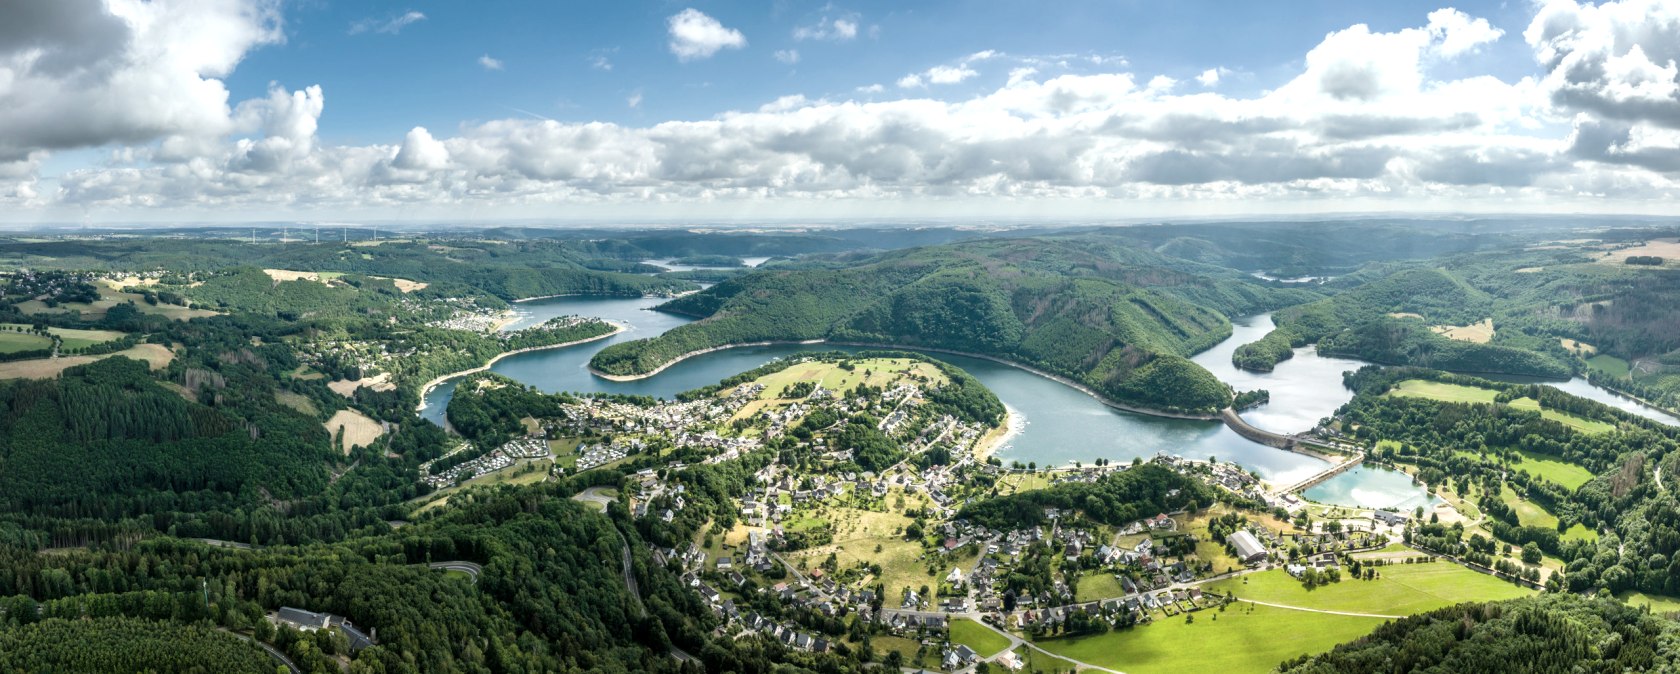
(1388, 321)
(1078, 307)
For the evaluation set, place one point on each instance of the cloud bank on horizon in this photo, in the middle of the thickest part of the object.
(134, 96)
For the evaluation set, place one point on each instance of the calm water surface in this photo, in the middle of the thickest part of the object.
(1056, 424)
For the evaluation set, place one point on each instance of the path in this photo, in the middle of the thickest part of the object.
(1017, 642)
(469, 568)
(595, 496)
(599, 495)
(1320, 610)
(272, 651)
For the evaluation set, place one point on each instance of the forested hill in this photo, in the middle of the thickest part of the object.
(1545, 634)
(1390, 320)
(1117, 319)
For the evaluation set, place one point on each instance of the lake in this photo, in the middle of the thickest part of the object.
(1058, 424)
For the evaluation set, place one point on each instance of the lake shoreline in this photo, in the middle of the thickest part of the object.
(617, 328)
(1082, 388)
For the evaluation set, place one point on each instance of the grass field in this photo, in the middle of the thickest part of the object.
(1034, 662)
(1452, 393)
(109, 298)
(1658, 603)
(1578, 348)
(155, 355)
(358, 429)
(1610, 365)
(1456, 393)
(1578, 423)
(78, 339)
(879, 372)
(1479, 333)
(981, 638)
(905, 647)
(14, 342)
(1097, 585)
(1531, 514)
(1551, 468)
(297, 402)
(1246, 639)
(1401, 589)
(873, 371)
(856, 535)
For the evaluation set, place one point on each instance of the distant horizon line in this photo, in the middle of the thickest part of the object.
(953, 222)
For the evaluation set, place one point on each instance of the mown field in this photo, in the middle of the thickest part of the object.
(1244, 639)
(984, 640)
(1457, 393)
(1400, 589)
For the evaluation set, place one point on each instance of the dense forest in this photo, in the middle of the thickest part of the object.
(1117, 320)
(1549, 634)
(116, 466)
(1143, 490)
(1384, 321)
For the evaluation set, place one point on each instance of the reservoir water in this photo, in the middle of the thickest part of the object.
(1058, 424)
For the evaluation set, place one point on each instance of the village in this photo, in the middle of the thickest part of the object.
(879, 553)
(1149, 581)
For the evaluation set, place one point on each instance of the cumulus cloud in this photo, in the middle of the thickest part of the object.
(836, 30)
(1211, 76)
(489, 63)
(421, 152)
(788, 56)
(694, 35)
(937, 75)
(1367, 119)
(389, 25)
(83, 73)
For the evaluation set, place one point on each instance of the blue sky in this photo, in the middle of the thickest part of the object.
(427, 72)
(189, 110)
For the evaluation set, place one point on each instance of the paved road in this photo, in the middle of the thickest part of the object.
(469, 568)
(1017, 642)
(595, 496)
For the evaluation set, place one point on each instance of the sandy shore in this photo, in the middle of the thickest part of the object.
(1013, 424)
(617, 328)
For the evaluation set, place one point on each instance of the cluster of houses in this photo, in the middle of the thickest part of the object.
(474, 320)
(591, 456)
(528, 447)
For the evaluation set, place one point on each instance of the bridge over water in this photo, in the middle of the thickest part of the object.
(1291, 443)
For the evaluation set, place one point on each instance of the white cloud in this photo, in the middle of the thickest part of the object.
(390, 25)
(842, 29)
(943, 74)
(1458, 33)
(1210, 77)
(421, 152)
(1366, 124)
(489, 63)
(694, 35)
(600, 62)
(86, 73)
(788, 56)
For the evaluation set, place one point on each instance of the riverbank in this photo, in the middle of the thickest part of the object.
(1082, 388)
(1013, 424)
(617, 328)
(691, 354)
